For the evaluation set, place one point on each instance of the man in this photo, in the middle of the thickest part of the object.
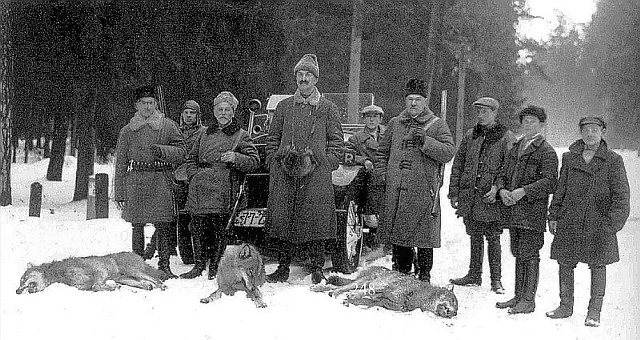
(472, 191)
(364, 144)
(416, 144)
(530, 175)
(147, 150)
(304, 145)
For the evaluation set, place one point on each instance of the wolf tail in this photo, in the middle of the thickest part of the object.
(338, 281)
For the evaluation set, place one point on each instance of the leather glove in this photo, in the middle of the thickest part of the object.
(155, 150)
(418, 135)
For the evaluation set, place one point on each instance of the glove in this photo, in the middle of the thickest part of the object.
(155, 150)
(418, 135)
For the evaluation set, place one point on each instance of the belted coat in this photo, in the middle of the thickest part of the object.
(590, 205)
(303, 209)
(412, 177)
(148, 194)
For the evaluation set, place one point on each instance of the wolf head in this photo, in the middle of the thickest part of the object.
(446, 303)
(32, 281)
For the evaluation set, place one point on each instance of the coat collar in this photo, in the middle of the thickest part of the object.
(578, 146)
(599, 158)
(155, 121)
(492, 134)
(535, 144)
(422, 118)
(313, 99)
(228, 130)
(364, 135)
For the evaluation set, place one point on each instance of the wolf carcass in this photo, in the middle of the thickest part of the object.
(241, 269)
(92, 273)
(379, 286)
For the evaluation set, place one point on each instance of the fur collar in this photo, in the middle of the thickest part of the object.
(422, 118)
(491, 134)
(155, 121)
(313, 99)
(228, 130)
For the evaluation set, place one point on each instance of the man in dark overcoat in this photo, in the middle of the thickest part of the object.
(148, 149)
(589, 207)
(304, 146)
(530, 175)
(416, 144)
(472, 191)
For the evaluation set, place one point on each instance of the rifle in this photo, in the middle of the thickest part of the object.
(440, 175)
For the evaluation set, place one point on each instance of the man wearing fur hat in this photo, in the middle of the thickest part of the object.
(304, 146)
(364, 144)
(415, 145)
(472, 191)
(147, 150)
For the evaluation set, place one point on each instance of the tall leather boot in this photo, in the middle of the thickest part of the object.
(217, 243)
(527, 302)
(151, 247)
(425, 264)
(185, 246)
(565, 278)
(517, 287)
(137, 238)
(403, 257)
(164, 251)
(495, 263)
(173, 239)
(199, 252)
(281, 274)
(474, 276)
(598, 287)
(316, 254)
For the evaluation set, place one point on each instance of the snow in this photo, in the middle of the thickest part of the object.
(293, 312)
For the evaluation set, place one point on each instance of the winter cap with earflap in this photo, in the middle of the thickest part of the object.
(191, 104)
(145, 91)
(534, 111)
(308, 62)
(415, 86)
(487, 102)
(372, 109)
(592, 120)
(226, 96)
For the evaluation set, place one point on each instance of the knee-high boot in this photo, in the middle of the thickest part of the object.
(316, 254)
(566, 279)
(495, 263)
(474, 276)
(217, 243)
(137, 238)
(199, 252)
(164, 248)
(527, 302)
(598, 287)
(517, 287)
(281, 274)
(402, 258)
(425, 264)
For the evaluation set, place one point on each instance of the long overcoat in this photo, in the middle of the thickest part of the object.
(303, 209)
(412, 177)
(476, 167)
(148, 194)
(591, 205)
(535, 170)
(213, 183)
(365, 146)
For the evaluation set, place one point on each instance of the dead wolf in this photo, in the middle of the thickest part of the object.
(241, 269)
(381, 287)
(92, 272)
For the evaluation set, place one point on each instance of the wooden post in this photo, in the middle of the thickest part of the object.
(353, 100)
(460, 106)
(102, 195)
(35, 199)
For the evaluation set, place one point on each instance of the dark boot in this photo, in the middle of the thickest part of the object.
(403, 258)
(173, 239)
(495, 263)
(137, 239)
(316, 255)
(425, 264)
(474, 276)
(199, 251)
(565, 310)
(527, 302)
(598, 287)
(218, 243)
(164, 251)
(280, 275)
(519, 282)
(185, 246)
(152, 246)
(284, 261)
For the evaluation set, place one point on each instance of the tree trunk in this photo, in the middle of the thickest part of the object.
(58, 148)
(353, 100)
(431, 55)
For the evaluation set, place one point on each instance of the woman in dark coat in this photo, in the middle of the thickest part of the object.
(214, 166)
(590, 206)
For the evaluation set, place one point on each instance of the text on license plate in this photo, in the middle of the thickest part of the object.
(250, 218)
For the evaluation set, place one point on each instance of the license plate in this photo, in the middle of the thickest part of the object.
(250, 218)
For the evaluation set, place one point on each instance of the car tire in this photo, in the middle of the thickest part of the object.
(348, 246)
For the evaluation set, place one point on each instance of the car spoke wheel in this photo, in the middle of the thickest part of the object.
(349, 240)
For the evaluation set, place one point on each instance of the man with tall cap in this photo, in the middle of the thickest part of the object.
(304, 146)
(415, 146)
(472, 191)
(148, 149)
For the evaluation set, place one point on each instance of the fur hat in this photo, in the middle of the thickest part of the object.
(145, 91)
(592, 120)
(372, 109)
(534, 111)
(191, 104)
(226, 96)
(308, 62)
(487, 102)
(415, 86)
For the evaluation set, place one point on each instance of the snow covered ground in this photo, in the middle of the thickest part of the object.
(62, 312)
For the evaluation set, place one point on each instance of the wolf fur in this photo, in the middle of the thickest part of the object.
(381, 287)
(241, 269)
(92, 273)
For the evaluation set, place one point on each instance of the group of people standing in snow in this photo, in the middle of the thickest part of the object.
(495, 184)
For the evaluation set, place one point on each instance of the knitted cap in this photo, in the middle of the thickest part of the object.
(487, 102)
(308, 62)
(191, 104)
(226, 96)
(415, 86)
(535, 111)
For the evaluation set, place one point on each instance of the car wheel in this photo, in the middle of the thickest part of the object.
(346, 253)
